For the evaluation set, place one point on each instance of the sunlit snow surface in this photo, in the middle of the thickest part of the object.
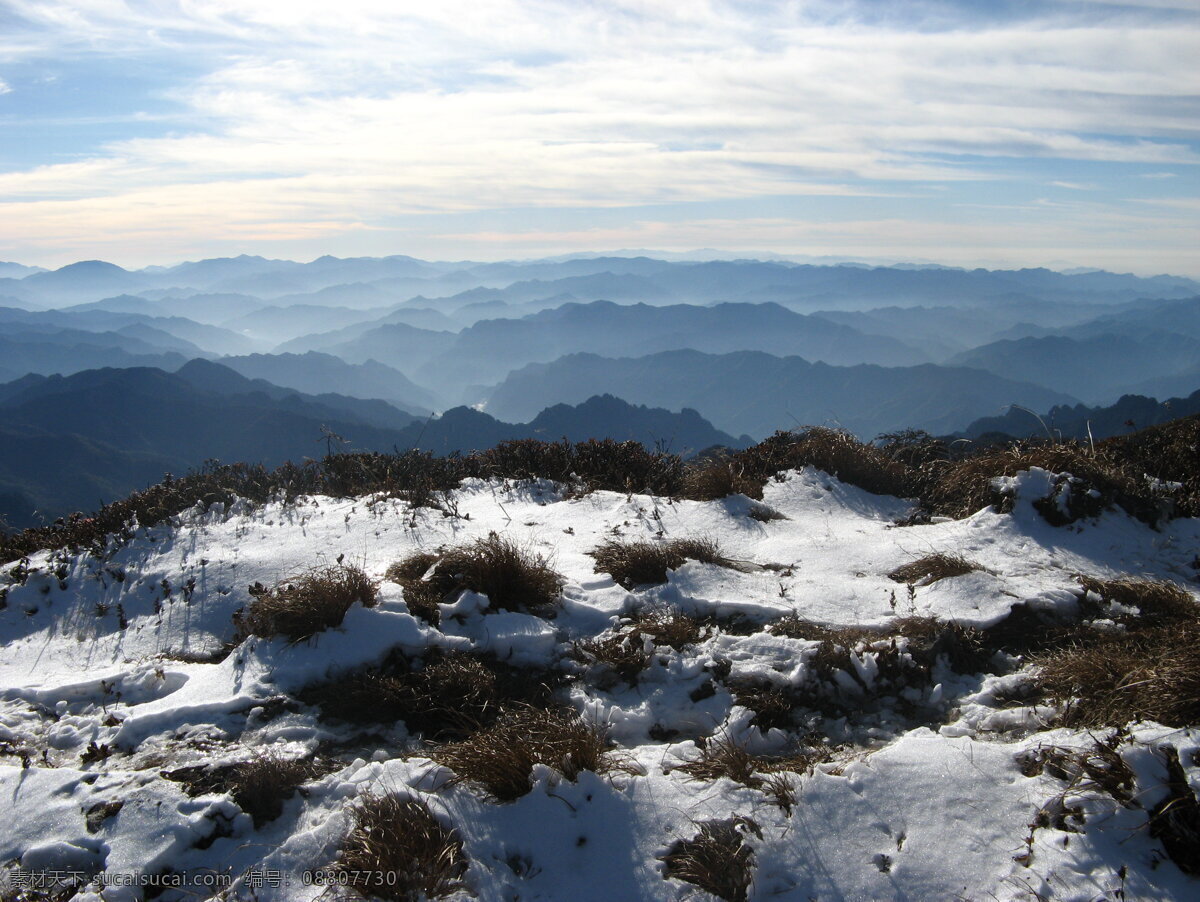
(934, 811)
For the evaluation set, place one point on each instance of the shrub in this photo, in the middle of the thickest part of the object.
(718, 477)
(398, 850)
(511, 577)
(929, 569)
(717, 859)
(501, 757)
(300, 608)
(646, 563)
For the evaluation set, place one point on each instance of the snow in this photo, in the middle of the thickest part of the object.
(122, 652)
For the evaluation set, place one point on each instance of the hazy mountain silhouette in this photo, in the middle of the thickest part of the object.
(125, 427)
(1130, 413)
(315, 373)
(1095, 368)
(485, 352)
(756, 393)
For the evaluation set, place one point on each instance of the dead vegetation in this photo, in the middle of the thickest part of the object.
(398, 850)
(646, 563)
(717, 859)
(1156, 601)
(443, 695)
(931, 568)
(513, 578)
(624, 655)
(1175, 821)
(303, 606)
(501, 757)
(1115, 677)
(723, 757)
(259, 786)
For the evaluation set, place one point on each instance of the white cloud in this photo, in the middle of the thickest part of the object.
(341, 117)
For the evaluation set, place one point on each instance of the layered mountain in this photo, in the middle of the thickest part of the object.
(73, 441)
(485, 352)
(756, 393)
(1096, 368)
(1084, 423)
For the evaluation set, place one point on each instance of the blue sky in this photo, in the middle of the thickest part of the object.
(969, 133)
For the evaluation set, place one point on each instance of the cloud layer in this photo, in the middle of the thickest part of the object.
(497, 128)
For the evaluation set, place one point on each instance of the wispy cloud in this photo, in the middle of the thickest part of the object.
(352, 118)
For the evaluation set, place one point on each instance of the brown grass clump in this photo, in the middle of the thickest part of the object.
(1116, 677)
(717, 859)
(796, 627)
(723, 757)
(646, 563)
(448, 695)
(929, 569)
(501, 757)
(511, 577)
(260, 786)
(301, 607)
(929, 638)
(1156, 601)
(398, 850)
(719, 477)
(668, 627)
(624, 655)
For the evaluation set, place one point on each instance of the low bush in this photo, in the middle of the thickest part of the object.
(398, 850)
(646, 563)
(501, 757)
(511, 577)
(717, 859)
(301, 607)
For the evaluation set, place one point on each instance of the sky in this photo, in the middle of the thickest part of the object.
(979, 132)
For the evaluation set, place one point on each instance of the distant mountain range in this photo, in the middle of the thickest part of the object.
(1078, 422)
(757, 393)
(71, 442)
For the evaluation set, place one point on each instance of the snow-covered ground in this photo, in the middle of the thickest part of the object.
(116, 662)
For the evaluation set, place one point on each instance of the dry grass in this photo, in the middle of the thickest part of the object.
(719, 477)
(666, 626)
(501, 757)
(929, 569)
(624, 655)
(448, 695)
(646, 563)
(717, 859)
(1156, 602)
(301, 607)
(1116, 677)
(512, 577)
(260, 786)
(723, 757)
(398, 850)
(796, 627)
(930, 638)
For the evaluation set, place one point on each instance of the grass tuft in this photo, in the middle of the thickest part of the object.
(398, 850)
(717, 859)
(260, 786)
(501, 757)
(646, 563)
(1113, 678)
(929, 569)
(723, 757)
(1157, 602)
(301, 607)
(512, 577)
